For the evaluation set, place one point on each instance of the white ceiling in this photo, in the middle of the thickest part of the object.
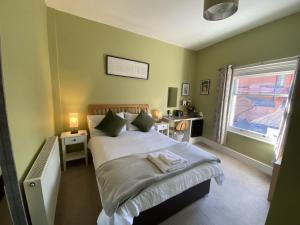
(179, 22)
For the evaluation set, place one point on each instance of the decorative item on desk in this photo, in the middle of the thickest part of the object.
(178, 112)
(191, 110)
(156, 114)
(73, 122)
(169, 113)
(186, 102)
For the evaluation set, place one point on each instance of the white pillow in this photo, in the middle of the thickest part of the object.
(94, 120)
(129, 117)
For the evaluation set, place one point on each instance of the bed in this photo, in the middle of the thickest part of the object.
(162, 199)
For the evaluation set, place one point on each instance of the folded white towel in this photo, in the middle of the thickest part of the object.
(171, 158)
(154, 158)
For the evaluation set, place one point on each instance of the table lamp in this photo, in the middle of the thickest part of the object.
(156, 114)
(73, 122)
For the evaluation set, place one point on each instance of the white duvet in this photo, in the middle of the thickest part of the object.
(105, 148)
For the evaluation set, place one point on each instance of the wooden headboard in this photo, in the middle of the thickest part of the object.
(101, 109)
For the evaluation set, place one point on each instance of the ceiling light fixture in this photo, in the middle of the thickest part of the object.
(219, 9)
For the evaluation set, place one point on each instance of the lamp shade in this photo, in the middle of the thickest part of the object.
(156, 114)
(219, 9)
(172, 96)
(73, 117)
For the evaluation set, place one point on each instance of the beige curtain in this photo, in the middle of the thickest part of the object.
(221, 113)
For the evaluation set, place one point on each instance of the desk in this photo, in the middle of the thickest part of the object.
(162, 128)
(195, 126)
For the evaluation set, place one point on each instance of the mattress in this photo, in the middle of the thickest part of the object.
(104, 148)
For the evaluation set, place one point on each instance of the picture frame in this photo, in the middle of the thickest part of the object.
(204, 87)
(118, 66)
(185, 90)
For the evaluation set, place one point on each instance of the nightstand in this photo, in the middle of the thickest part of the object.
(162, 128)
(71, 139)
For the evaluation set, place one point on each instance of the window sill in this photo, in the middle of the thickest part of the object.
(245, 134)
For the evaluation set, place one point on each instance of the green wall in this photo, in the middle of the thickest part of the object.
(77, 50)
(272, 41)
(27, 80)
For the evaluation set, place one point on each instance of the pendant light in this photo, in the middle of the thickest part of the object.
(219, 9)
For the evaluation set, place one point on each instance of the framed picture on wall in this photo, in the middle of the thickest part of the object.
(185, 91)
(117, 66)
(204, 87)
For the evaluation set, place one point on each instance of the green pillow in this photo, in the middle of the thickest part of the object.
(105, 120)
(112, 124)
(143, 121)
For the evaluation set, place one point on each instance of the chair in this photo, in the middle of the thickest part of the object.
(180, 129)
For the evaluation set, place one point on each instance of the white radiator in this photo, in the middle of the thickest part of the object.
(42, 183)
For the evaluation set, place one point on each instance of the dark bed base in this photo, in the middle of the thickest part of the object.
(1, 188)
(159, 213)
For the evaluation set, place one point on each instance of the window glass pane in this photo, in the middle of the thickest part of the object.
(259, 114)
(265, 85)
(283, 84)
(258, 102)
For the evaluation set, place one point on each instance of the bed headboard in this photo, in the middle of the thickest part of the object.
(101, 109)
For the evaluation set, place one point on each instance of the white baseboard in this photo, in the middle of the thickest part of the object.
(246, 159)
(196, 139)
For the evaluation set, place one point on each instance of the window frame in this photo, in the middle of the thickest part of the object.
(232, 99)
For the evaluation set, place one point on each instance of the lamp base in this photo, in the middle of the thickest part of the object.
(74, 131)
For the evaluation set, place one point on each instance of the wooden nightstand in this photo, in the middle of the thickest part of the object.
(162, 128)
(70, 139)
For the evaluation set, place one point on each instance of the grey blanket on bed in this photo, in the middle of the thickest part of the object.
(124, 178)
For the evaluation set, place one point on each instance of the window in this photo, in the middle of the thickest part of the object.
(259, 100)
